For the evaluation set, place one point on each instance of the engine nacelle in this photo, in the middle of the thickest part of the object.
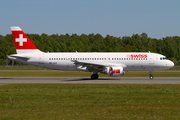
(114, 71)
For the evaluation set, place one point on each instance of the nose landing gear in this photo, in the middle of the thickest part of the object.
(151, 76)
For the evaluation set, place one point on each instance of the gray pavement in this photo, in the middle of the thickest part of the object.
(87, 80)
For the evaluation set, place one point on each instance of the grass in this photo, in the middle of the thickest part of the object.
(30, 71)
(21, 67)
(50, 101)
(55, 73)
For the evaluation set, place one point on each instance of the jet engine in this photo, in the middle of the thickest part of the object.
(114, 71)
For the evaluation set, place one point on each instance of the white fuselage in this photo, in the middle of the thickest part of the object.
(130, 61)
(110, 63)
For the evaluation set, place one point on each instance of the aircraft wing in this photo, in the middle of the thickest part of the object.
(96, 66)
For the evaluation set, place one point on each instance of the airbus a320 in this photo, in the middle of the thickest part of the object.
(110, 63)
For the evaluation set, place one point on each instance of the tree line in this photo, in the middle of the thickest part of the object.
(169, 46)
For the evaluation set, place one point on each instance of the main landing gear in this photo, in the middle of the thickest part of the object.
(151, 76)
(94, 76)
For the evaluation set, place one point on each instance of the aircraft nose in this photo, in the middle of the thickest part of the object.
(171, 64)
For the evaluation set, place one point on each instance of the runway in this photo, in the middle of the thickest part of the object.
(83, 80)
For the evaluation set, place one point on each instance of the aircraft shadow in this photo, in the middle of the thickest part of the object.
(6, 78)
(89, 79)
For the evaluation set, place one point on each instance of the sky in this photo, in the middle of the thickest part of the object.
(156, 18)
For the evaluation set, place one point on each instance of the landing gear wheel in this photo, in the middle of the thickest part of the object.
(94, 76)
(151, 77)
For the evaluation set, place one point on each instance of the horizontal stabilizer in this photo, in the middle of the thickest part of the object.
(17, 56)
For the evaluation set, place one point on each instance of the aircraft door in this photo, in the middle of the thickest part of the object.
(41, 59)
(151, 58)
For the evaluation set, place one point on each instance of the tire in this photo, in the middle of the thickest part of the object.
(96, 76)
(93, 77)
(151, 77)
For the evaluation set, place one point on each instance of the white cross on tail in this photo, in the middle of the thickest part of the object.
(21, 39)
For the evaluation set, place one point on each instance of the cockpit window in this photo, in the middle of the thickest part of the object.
(163, 58)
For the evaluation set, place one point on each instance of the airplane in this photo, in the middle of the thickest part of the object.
(110, 63)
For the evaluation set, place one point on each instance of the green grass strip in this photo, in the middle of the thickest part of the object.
(55, 73)
(84, 102)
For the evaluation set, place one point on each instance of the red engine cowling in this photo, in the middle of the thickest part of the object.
(115, 71)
